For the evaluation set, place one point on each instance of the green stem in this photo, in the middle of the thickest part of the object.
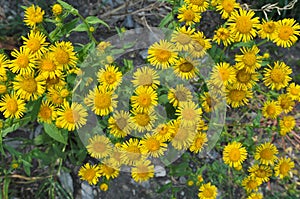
(262, 42)
(87, 25)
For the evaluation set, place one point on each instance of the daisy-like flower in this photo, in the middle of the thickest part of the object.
(250, 59)
(186, 68)
(182, 38)
(251, 183)
(36, 42)
(33, 16)
(277, 77)
(286, 103)
(48, 68)
(120, 124)
(29, 87)
(271, 109)
(109, 76)
(238, 97)
(223, 35)
(266, 153)
(261, 172)
(179, 94)
(201, 4)
(54, 95)
(163, 132)
(103, 187)
(209, 102)
(12, 106)
(24, 61)
(152, 145)
(244, 79)
(142, 171)
(267, 29)
(162, 54)
(71, 117)
(223, 74)
(46, 113)
(101, 100)
(63, 53)
(226, 7)
(109, 170)
(146, 77)
(90, 173)
(143, 120)
(243, 25)
(189, 14)
(234, 154)
(200, 44)
(208, 191)
(57, 9)
(145, 98)
(188, 113)
(293, 91)
(287, 123)
(286, 33)
(99, 146)
(255, 196)
(199, 142)
(283, 167)
(131, 151)
(4, 63)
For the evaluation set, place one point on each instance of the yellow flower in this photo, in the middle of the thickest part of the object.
(99, 146)
(145, 98)
(251, 183)
(244, 79)
(183, 136)
(226, 7)
(277, 77)
(188, 113)
(208, 191)
(119, 124)
(152, 146)
(3, 89)
(46, 113)
(101, 100)
(238, 97)
(286, 33)
(202, 5)
(190, 183)
(186, 68)
(286, 103)
(255, 196)
(182, 38)
(261, 172)
(163, 132)
(287, 123)
(293, 91)
(71, 117)
(103, 45)
(12, 106)
(36, 43)
(162, 54)
(250, 59)
(48, 68)
(109, 170)
(103, 187)
(143, 120)
(142, 171)
(223, 74)
(242, 25)
(199, 142)
(54, 95)
(223, 35)
(4, 63)
(271, 109)
(179, 94)
(57, 9)
(109, 77)
(209, 101)
(189, 14)
(146, 76)
(283, 167)
(33, 15)
(63, 53)
(267, 29)
(266, 153)
(234, 154)
(131, 151)
(29, 87)
(90, 173)
(24, 63)
(200, 45)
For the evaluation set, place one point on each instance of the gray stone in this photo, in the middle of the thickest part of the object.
(66, 182)
(159, 171)
(144, 53)
(182, 180)
(86, 191)
(128, 22)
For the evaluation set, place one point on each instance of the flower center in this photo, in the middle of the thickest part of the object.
(48, 65)
(286, 102)
(261, 173)
(133, 152)
(269, 27)
(142, 171)
(252, 184)
(22, 61)
(287, 123)
(107, 170)
(99, 147)
(266, 154)
(271, 110)
(45, 112)
(162, 55)
(249, 58)
(145, 80)
(72, 116)
(277, 75)
(152, 144)
(208, 193)
(144, 100)
(189, 15)
(89, 174)
(284, 168)
(29, 85)
(285, 32)
(183, 39)
(61, 56)
(121, 123)
(199, 143)
(295, 91)
(186, 67)
(244, 24)
(3, 89)
(12, 105)
(33, 44)
(197, 2)
(188, 114)
(102, 100)
(110, 77)
(142, 119)
(228, 5)
(180, 95)
(234, 154)
(199, 45)
(243, 76)
(237, 95)
(181, 134)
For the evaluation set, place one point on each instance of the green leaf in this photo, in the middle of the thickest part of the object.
(35, 109)
(68, 7)
(80, 28)
(166, 20)
(164, 187)
(96, 20)
(55, 133)
(163, 99)
(15, 125)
